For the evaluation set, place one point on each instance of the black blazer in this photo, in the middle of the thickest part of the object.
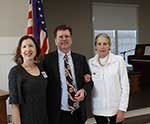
(51, 66)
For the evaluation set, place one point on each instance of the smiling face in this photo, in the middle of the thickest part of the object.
(102, 45)
(28, 50)
(63, 40)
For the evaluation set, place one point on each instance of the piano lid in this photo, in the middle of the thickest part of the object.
(142, 54)
(141, 61)
(142, 50)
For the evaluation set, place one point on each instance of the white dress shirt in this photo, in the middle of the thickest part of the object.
(111, 86)
(64, 94)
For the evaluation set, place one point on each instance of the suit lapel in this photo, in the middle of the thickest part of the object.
(56, 66)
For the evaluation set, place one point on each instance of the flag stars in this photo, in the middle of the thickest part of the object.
(39, 9)
(41, 15)
(39, 21)
(42, 22)
(29, 1)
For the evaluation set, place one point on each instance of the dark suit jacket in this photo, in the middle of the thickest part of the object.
(51, 66)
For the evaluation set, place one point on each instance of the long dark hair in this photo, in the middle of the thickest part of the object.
(18, 58)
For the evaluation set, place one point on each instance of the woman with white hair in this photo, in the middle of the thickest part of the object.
(111, 86)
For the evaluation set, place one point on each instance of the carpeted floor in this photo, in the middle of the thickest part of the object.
(137, 100)
(144, 119)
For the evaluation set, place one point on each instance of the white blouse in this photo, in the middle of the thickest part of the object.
(111, 86)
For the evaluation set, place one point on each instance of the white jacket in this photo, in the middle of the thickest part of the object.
(111, 86)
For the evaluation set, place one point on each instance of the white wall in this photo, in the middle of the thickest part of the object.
(115, 16)
(7, 49)
(13, 15)
(75, 13)
(13, 24)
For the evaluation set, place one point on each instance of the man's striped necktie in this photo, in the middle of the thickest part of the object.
(72, 104)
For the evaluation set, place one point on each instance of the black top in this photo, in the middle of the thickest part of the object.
(30, 93)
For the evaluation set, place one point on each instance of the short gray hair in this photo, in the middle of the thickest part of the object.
(105, 36)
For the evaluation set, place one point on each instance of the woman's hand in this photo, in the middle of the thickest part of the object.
(87, 78)
(120, 116)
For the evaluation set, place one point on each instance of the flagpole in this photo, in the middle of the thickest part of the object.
(28, 1)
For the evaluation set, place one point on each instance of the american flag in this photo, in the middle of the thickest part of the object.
(36, 25)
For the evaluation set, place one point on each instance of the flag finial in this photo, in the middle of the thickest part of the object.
(28, 1)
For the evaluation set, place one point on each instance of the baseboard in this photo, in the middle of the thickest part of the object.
(137, 112)
(128, 114)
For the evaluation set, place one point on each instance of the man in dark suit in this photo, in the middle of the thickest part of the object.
(53, 64)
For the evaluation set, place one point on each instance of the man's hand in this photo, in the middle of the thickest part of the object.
(79, 96)
(87, 78)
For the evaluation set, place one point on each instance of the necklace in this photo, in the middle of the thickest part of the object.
(103, 61)
(31, 69)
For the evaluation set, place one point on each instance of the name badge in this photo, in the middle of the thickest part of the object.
(44, 74)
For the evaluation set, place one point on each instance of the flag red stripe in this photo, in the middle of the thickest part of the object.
(44, 46)
(36, 25)
(30, 14)
(30, 30)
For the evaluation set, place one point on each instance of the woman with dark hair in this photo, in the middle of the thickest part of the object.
(28, 85)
